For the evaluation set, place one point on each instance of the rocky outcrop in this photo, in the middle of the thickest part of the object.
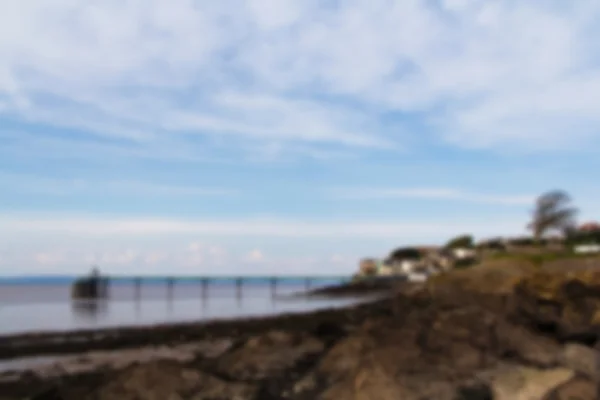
(566, 304)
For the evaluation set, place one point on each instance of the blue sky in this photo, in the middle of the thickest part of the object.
(285, 136)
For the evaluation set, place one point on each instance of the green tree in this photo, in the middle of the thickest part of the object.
(462, 241)
(553, 212)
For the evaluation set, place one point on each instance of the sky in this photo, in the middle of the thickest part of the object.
(264, 137)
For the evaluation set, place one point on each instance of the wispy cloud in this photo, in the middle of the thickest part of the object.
(94, 226)
(30, 185)
(431, 194)
(479, 74)
(168, 98)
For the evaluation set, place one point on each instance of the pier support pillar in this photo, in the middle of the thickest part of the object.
(307, 284)
(138, 288)
(170, 284)
(204, 283)
(273, 287)
(238, 285)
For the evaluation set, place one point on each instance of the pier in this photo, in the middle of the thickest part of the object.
(205, 283)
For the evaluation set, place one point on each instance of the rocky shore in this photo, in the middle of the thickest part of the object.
(469, 336)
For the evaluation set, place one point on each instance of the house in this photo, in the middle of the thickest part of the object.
(385, 270)
(463, 253)
(414, 263)
(368, 266)
(586, 238)
(441, 259)
(587, 248)
(417, 277)
(589, 227)
(398, 266)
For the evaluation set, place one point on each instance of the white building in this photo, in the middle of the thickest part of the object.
(462, 253)
(587, 248)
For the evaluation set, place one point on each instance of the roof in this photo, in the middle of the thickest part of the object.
(590, 226)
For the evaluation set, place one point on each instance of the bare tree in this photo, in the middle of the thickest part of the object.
(553, 211)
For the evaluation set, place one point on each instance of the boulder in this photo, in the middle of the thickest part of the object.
(164, 380)
(562, 303)
(577, 388)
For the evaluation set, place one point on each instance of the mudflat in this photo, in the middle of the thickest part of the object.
(534, 339)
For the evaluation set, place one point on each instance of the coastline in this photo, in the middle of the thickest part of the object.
(442, 341)
(85, 356)
(37, 309)
(76, 341)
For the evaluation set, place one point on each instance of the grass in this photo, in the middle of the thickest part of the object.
(542, 258)
(499, 273)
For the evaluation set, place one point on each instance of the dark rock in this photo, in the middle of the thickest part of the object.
(167, 380)
(565, 304)
(268, 356)
(363, 287)
(474, 391)
(582, 359)
(578, 388)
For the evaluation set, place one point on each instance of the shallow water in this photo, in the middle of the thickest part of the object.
(47, 307)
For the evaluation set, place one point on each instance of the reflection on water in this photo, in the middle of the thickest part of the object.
(93, 310)
(89, 309)
(49, 308)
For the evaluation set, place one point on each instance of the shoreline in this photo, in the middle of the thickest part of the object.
(445, 341)
(69, 359)
(358, 293)
(47, 343)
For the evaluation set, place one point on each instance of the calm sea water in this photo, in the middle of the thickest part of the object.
(33, 306)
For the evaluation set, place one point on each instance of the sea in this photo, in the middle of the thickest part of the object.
(42, 304)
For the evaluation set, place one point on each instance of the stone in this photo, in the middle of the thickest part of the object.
(266, 356)
(524, 383)
(560, 302)
(169, 381)
(578, 388)
(581, 359)
(477, 390)
(528, 346)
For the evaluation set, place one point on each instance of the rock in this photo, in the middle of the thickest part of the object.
(577, 388)
(419, 356)
(523, 383)
(169, 381)
(476, 390)
(269, 355)
(517, 342)
(563, 302)
(366, 287)
(581, 359)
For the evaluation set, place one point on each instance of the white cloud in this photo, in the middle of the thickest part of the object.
(31, 184)
(523, 75)
(195, 247)
(155, 257)
(254, 256)
(432, 194)
(96, 226)
(69, 255)
(49, 258)
(337, 258)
